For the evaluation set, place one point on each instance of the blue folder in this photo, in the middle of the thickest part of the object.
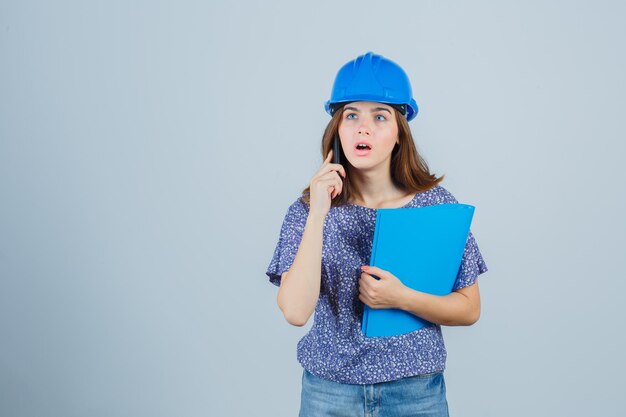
(424, 248)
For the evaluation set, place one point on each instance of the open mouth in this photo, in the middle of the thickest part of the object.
(362, 149)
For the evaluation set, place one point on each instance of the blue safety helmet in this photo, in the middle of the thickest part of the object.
(372, 77)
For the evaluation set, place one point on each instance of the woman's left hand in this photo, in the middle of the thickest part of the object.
(384, 293)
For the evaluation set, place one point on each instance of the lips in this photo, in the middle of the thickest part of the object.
(362, 147)
(362, 150)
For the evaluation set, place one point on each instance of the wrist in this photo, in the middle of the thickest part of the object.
(315, 218)
(408, 300)
(404, 298)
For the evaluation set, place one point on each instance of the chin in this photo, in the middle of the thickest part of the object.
(362, 163)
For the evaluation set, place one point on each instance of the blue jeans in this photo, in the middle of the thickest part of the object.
(420, 395)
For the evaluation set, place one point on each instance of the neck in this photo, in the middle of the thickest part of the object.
(375, 186)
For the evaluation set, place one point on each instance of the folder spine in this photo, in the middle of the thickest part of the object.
(366, 308)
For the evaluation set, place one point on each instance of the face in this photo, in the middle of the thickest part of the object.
(373, 124)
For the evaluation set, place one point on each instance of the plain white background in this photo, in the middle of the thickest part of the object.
(149, 151)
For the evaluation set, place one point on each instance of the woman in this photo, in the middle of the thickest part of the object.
(326, 239)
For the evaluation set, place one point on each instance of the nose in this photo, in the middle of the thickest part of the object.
(364, 127)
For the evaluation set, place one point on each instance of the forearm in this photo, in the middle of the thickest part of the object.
(300, 286)
(454, 309)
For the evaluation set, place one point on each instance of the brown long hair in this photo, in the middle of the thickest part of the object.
(409, 170)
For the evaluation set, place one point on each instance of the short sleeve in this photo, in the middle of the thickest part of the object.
(289, 239)
(472, 264)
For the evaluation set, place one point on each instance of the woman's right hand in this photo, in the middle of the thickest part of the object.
(325, 185)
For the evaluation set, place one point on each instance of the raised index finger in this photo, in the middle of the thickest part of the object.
(330, 154)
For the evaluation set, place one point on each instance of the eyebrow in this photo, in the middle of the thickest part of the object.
(375, 109)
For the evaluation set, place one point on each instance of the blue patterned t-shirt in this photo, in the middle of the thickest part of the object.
(335, 348)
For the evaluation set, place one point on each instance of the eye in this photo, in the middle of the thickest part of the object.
(380, 117)
(349, 116)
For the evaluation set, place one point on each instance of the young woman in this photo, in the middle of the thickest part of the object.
(320, 261)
